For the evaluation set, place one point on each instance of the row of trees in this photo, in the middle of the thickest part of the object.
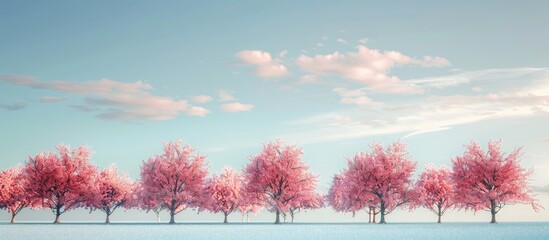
(276, 179)
(380, 181)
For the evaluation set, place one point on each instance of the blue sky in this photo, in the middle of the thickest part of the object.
(124, 76)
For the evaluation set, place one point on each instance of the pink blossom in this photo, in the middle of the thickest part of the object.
(223, 192)
(176, 178)
(380, 179)
(111, 191)
(280, 179)
(61, 183)
(13, 196)
(490, 180)
(435, 190)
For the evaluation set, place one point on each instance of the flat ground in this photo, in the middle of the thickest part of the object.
(458, 231)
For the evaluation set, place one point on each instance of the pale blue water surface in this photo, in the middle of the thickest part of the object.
(457, 231)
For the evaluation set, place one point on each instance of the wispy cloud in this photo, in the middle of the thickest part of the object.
(368, 66)
(115, 100)
(356, 97)
(49, 99)
(266, 66)
(85, 108)
(225, 96)
(197, 111)
(464, 77)
(201, 99)
(308, 79)
(476, 89)
(236, 107)
(436, 129)
(518, 96)
(341, 40)
(12, 106)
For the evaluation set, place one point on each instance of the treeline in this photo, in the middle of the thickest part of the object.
(276, 179)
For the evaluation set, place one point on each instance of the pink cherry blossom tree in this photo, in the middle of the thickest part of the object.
(490, 180)
(279, 177)
(435, 191)
(223, 192)
(148, 202)
(249, 202)
(111, 191)
(385, 174)
(306, 199)
(311, 200)
(175, 178)
(13, 196)
(60, 183)
(345, 197)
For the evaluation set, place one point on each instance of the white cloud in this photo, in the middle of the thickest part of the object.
(236, 107)
(308, 79)
(356, 97)
(225, 96)
(282, 54)
(197, 111)
(368, 66)
(267, 67)
(430, 61)
(272, 70)
(436, 129)
(12, 106)
(464, 77)
(427, 114)
(476, 89)
(114, 100)
(201, 99)
(363, 41)
(52, 99)
(342, 41)
(85, 108)
(332, 119)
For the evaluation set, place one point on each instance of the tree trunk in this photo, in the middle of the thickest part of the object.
(493, 210)
(292, 213)
(277, 221)
(225, 220)
(382, 211)
(374, 215)
(172, 212)
(108, 212)
(12, 218)
(247, 217)
(172, 217)
(57, 219)
(157, 217)
(57, 214)
(369, 214)
(439, 214)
